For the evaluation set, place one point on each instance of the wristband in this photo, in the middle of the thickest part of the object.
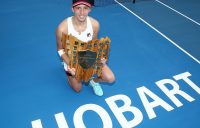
(61, 52)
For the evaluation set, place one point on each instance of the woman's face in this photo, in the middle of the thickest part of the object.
(81, 12)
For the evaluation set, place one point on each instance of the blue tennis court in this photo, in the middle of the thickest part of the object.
(155, 56)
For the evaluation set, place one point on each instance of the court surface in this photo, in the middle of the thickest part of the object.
(155, 56)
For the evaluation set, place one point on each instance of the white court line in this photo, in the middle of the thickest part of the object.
(178, 12)
(158, 32)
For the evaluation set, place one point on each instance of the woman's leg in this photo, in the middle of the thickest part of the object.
(107, 75)
(74, 83)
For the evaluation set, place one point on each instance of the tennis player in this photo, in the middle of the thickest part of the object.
(85, 28)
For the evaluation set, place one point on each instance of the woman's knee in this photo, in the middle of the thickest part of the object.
(77, 89)
(75, 85)
(109, 79)
(107, 75)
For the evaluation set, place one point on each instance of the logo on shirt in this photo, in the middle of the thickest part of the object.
(88, 35)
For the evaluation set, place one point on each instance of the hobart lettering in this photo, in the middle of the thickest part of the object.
(169, 87)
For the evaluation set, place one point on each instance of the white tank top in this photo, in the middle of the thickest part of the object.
(86, 35)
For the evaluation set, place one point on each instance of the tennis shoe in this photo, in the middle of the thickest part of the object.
(96, 88)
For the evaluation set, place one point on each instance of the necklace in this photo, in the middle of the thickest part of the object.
(79, 26)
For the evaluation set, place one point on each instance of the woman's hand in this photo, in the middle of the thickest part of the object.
(103, 61)
(72, 71)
